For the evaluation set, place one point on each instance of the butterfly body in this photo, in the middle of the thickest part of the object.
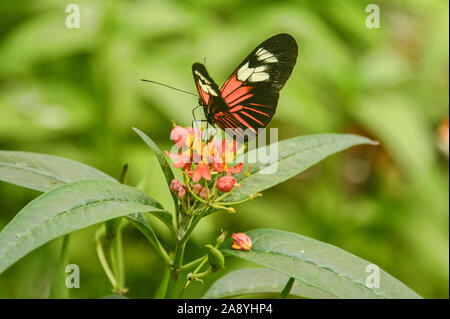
(248, 99)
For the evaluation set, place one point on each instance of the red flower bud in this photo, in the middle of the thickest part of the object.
(241, 242)
(175, 185)
(226, 183)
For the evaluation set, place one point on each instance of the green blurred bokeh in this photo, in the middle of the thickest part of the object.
(77, 92)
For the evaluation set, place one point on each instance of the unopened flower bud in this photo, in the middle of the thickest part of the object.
(241, 241)
(221, 237)
(181, 192)
(226, 183)
(215, 258)
(203, 193)
(196, 189)
(231, 210)
(253, 196)
(175, 185)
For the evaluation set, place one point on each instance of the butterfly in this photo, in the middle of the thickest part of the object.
(248, 100)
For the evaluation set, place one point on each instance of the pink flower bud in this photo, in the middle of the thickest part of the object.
(179, 135)
(226, 183)
(181, 192)
(241, 242)
(196, 189)
(203, 193)
(175, 185)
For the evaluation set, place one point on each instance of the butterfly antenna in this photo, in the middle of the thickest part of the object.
(170, 87)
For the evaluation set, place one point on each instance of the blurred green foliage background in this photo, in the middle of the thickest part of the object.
(77, 92)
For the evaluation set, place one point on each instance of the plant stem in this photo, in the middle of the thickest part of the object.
(58, 288)
(287, 289)
(251, 197)
(200, 265)
(194, 263)
(171, 291)
(104, 263)
(179, 253)
(162, 289)
(117, 261)
(192, 225)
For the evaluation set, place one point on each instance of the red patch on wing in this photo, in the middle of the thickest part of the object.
(237, 94)
(240, 99)
(252, 117)
(230, 85)
(236, 108)
(240, 119)
(255, 110)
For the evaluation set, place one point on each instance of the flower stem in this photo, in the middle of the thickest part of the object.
(194, 263)
(106, 268)
(251, 197)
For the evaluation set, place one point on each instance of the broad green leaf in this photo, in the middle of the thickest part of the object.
(43, 172)
(165, 166)
(259, 281)
(294, 156)
(66, 209)
(319, 265)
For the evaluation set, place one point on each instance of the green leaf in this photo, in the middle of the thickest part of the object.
(66, 209)
(43, 172)
(294, 156)
(165, 165)
(259, 281)
(319, 265)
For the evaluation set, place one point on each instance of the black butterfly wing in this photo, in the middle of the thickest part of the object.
(206, 87)
(251, 92)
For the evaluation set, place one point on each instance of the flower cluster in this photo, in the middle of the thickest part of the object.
(208, 166)
(202, 159)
